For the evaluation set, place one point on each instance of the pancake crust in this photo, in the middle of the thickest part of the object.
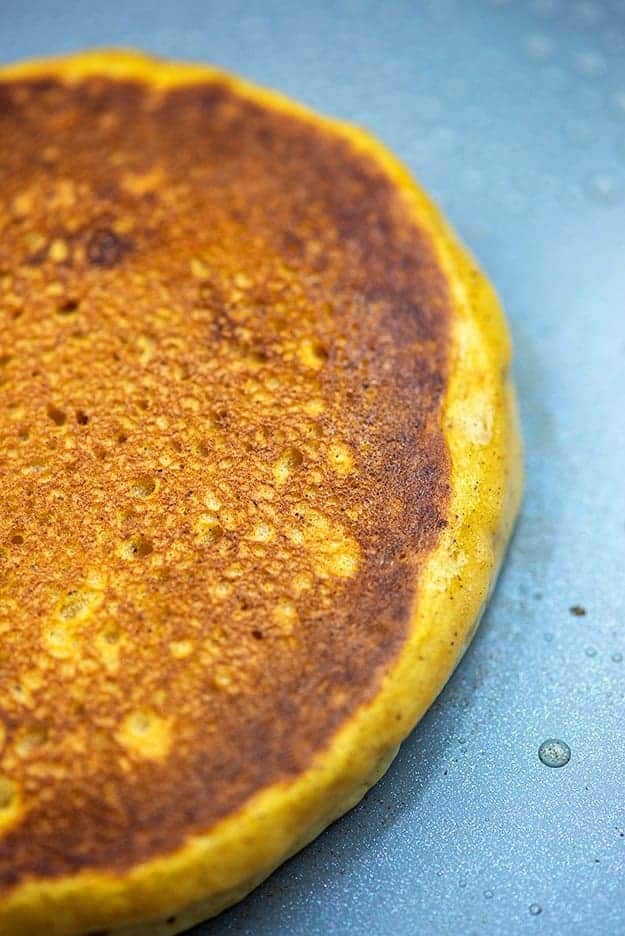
(259, 464)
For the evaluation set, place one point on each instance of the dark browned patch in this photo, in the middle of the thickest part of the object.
(105, 248)
(266, 232)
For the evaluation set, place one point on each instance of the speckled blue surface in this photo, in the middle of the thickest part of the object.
(513, 115)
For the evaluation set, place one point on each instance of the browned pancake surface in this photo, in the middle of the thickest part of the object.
(222, 357)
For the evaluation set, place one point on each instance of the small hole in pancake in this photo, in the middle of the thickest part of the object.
(257, 635)
(142, 486)
(4, 359)
(121, 437)
(57, 415)
(68, 307)
(81, 418)
(137, 547)
(143, 405)
(24, 434)
(17, 539)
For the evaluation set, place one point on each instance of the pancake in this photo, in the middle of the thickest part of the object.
(259, 462)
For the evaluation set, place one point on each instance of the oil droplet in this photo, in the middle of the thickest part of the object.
(539, 47)
(489, 894)
(605, 189)
(554, 753)
(590, 651)
(536, 909)
(617, 657)
(462, 883)
(548, 637)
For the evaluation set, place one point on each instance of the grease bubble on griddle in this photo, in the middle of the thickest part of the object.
(535, 909)
(554, 753)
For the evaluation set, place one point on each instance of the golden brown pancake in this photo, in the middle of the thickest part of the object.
(259, 463)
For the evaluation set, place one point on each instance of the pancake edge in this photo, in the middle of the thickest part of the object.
(479, 419)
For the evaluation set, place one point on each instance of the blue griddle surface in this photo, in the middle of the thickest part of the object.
(513, 115)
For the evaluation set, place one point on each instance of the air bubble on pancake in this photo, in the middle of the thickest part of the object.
(262, 533)
(58, 417)
(312, 353)
(58, 250)
(9, 802)
(224, 681)
(77, 604)
(60, 640)
(145, 734)
(302, 581)
(242, 281)
(181, 649)
(136, 547)
(142, 486)
(212, 501)
(340, 458)
(334, 553)
(60, 636)
(313, 407)
(290, 459)
(199, 268)
(108, 645)
(30, 739)
(209, 530)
